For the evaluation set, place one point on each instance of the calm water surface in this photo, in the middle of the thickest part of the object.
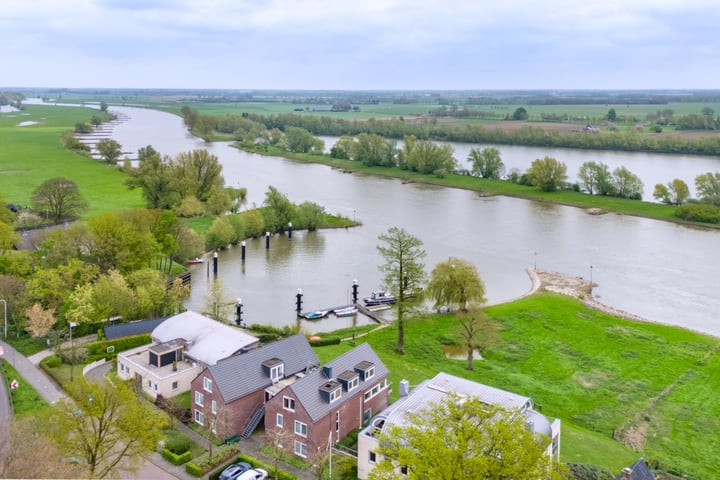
(657, 270)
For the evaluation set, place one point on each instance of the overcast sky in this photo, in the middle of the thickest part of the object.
(361, 44)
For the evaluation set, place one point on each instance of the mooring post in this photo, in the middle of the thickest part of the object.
(215, 263)
(242, 251)
(355, 291)
(289, 229)
(267, 240)
(239, 312)
(298, 301)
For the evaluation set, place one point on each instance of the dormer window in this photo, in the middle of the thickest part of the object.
(331, 390)
(365, 369)
(274, 368)
(349, 380)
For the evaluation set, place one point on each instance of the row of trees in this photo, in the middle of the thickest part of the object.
(397, 128)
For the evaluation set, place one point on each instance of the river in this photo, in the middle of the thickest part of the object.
(657, 270)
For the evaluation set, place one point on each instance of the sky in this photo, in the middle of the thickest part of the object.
(360, 44)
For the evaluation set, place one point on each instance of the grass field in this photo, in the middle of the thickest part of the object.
(32, 154)
(597, 373)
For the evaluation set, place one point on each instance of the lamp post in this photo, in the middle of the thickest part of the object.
(591, 284)
(72, 349)
(5, 309)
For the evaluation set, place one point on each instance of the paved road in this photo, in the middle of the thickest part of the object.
(37, 379)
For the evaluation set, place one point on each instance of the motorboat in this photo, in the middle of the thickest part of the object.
(315, 315)
(379, 297)
(346, 312)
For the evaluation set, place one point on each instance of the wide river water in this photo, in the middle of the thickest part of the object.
(657, 270)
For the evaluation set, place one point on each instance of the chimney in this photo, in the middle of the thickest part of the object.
(327, 371)
(627, 473)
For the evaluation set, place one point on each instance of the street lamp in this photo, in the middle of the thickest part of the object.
(72, 349)
(5, 308)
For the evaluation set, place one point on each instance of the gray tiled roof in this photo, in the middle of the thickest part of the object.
(307, 389)
(639, 471)
(243, 374)
(132, 328)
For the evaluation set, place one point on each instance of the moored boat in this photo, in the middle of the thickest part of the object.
(194, 261)
(379, 297)
(317, 314)
(346, 312)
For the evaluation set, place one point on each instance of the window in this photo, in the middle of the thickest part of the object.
(207, 384)
(277, 372)
(155, 387)
(300, 449)
(337, 423)
(369, 373)
(122, 367)
(300, 428)
(279, 420)
(353, 383)
(199, 417)
(375, 390)
(367, 415)
(289, 403)
(174, 385)
(149, 383)
(404, 470)
(335, 394)
(199, 398)
(372, 458)
(213, 407)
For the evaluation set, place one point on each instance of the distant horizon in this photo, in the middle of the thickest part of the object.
(374, 45)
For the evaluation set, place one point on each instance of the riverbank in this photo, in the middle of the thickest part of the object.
(593, 204)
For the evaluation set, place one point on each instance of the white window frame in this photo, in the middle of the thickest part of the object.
(335, 394)
(199, 417)
(301, 428)
(279, 420)
(289, 403)
(372, 457)
(213, 407)
(370, 373)
(199, 399)
(353, 383)
(277, 372)
(300, 449)
(207, 384)
(175, 385)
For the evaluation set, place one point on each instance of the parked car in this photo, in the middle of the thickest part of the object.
(254, 474)
(232, 472)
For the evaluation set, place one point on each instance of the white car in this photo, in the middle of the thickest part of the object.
(254, 474)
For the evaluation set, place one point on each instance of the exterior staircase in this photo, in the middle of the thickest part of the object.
(254, 422)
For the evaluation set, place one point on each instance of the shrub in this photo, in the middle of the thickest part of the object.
(190, 207)
(178, 444)
(53, 361)
(193, 469)
(205, 462)
(698, 212)
(325, 341)
(73, 356)
(177, 459)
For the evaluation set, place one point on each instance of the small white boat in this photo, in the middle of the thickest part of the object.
(317, 314)
(346, 312)
(379, 298)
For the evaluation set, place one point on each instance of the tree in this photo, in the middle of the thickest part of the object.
(463, 438)
(279, 210)
(217, 305)
(547, 173)
(404, 274)
(674, 193)
(486, 163)
(612, 115)
(103, 107)
(104, 425)
(425, 156)
(627, 184)
(109, 149)
(470, 328)
(708, 187)
(456, 283)
(300, 140)
(40, 321)
(59, 200)
(154, 175)
(196, 172)
(311, 215)
(520, 114)
(596, 178)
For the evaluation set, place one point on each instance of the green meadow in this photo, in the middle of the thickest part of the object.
(597, 373)
(34, 153)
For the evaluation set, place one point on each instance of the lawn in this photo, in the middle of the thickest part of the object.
(32, 154)
(597, 373)
(26, 401)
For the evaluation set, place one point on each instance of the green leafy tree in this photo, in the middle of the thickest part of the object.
(154, 175)
(486, 163)
(426, 156)
(120, 241)
(109, 149)
(674, 193)
(196, 173)
(299, 140)
(103, 107)
(708, 187)
(596, 178)
(218, 201)
(279, 210)
(373, 149)
(58, 200)
(611, 115)
(104, 425)
(456, 283)
(343, 147)
(547, 173)
(404, 274)
(627, 184)
(310, 215)
(520, 113)
(221, 234)
(463, 438)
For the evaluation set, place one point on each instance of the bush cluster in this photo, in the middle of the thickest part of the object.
(325, 341)
(204, 462)
(176, 459)
(698, 212)
(282, 475)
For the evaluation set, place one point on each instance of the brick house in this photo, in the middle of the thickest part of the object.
(326, 404)
(232, 393)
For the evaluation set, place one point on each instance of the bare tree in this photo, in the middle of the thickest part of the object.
(279, 440)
